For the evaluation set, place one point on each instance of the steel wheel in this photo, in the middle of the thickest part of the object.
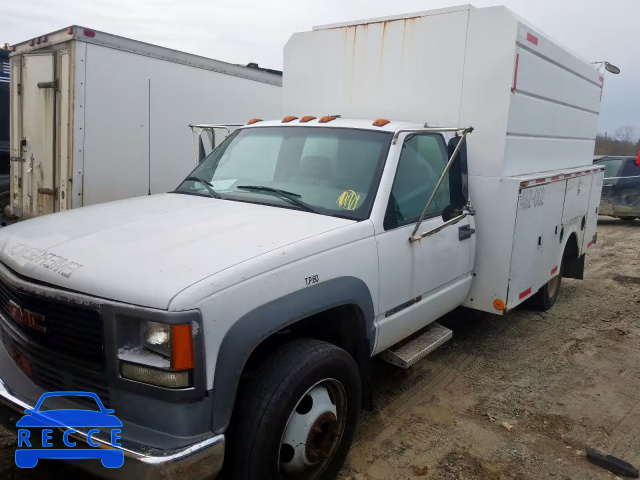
(313, 431)
(553, 286)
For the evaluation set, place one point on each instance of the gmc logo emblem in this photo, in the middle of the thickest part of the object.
(26, 318)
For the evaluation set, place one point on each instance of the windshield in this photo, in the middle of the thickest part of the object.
(331, 171)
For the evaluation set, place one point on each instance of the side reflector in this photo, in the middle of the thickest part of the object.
(89, 33)
(181, 347)
(326, 119)
(307, 118)
(70, 31)
(554, 270)
(381, 122)
(532, 38)
(524, 184)
(498, 304)
(525, 293)
(637, 160)
(289, 119)
(254, 120)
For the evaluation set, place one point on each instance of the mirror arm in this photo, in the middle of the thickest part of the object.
(467, 212)
(415, 237)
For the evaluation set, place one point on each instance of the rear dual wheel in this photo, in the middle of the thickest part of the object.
(546, 297)
(296, 417)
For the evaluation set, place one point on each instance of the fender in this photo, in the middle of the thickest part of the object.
(251, 329)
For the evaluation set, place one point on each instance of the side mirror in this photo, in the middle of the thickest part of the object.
(458, 177)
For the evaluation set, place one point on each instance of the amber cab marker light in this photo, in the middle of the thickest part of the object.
(381, 122)
(254, 120)
(181, 347)
(307, 118)
(288, 119)
(498, 304)
(326, 119)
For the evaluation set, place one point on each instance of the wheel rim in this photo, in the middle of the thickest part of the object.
(313, 431)
(553, 285)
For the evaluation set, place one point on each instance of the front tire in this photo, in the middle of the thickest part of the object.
(297, 415)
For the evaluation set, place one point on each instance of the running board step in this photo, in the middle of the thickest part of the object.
(407, 353)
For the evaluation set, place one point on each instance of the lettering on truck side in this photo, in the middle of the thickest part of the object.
(531, 197)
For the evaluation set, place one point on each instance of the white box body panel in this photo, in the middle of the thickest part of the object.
(121, 117)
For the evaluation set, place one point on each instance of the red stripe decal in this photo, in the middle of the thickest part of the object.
(533, 39)
(525, 293)
(554, 270)
(589, 244)
(541, 180)
(515, 74)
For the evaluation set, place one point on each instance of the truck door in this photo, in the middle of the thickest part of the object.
(35, 176)
(422, 280)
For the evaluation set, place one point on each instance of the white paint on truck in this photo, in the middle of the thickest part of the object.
(316, 235)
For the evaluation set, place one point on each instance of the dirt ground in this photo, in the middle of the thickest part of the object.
(519, 396)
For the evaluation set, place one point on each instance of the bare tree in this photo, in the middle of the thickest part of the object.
(625, 134)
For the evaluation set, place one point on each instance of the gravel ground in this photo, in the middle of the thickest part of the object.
(519, 396)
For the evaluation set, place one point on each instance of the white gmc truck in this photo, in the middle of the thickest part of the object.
(234, 319)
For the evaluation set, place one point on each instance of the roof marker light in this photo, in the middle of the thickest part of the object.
(38, 40)
(307, 118)
(288, 119)
(89, 33)
(381, 122)
(254, 120)
(326, 119)
(70, 31)
(31, 43)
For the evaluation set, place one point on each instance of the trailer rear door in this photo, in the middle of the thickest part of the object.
(35, 177)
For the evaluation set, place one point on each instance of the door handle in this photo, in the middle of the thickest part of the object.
(465, 232)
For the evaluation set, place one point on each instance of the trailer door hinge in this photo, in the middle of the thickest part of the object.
(49, 191)
(53, 84)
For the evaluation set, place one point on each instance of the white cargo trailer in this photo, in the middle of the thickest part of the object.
(98, 117)
(241, 311)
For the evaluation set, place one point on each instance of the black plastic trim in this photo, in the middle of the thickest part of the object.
(251, 329)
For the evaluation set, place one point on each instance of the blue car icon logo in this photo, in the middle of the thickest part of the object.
(36, 444)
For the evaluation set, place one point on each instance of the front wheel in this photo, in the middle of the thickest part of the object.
(297, 415)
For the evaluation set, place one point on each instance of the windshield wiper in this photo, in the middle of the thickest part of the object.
(291, 196)
(207, 185)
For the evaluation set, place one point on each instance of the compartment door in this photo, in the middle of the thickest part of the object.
(536, 241)
(38, 131)
(592, 212)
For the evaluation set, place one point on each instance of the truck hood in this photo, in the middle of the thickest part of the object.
(146, 250)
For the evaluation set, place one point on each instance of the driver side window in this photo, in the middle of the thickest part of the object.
(422, 161)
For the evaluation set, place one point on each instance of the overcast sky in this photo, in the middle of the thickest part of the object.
(242, 31)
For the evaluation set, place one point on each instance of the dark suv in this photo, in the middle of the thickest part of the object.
(621, 187)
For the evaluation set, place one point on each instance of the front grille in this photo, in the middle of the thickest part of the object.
(53, 372)
(69, 355)
(72, 330)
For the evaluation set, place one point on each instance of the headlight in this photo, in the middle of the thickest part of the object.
(157, 337)
(164, 356)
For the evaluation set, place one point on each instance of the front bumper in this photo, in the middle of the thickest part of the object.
(199, 461)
